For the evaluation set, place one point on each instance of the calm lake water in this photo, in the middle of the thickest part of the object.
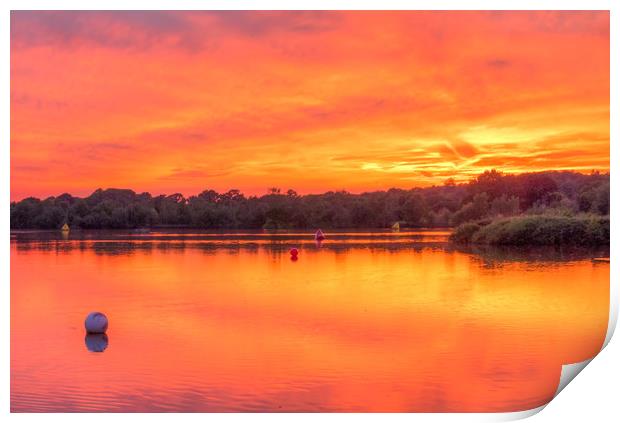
(368, 321)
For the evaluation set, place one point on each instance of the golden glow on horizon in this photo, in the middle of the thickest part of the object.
(314, 101)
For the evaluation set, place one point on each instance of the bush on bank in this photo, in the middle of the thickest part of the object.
(537, 230)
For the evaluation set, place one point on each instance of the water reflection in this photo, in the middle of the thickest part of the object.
(504, 254)
(489, 255)
(96, 342)
(367, 322)
(129, 242)
(219, 236)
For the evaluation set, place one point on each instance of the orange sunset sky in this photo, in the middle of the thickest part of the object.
(184, 101)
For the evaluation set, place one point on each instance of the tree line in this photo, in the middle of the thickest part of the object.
(490, 194)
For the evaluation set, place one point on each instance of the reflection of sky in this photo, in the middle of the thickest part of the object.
(313, 101)
(354, 329)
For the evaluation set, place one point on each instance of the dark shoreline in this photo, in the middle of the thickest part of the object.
(487, 196)
(536, 230)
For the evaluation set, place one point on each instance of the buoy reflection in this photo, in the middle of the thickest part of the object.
(96, 342)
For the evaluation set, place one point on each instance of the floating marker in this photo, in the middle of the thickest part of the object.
(96, 323)
(294, 252)
(319, 236)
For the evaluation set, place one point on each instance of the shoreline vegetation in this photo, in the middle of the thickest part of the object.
(544, 208)
(583, 230)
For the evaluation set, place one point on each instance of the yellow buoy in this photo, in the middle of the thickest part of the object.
(396, 226)
(65, 228)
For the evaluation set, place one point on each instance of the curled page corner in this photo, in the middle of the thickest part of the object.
(611, 328)
(613, 312)
(569, 371)
(518, 415)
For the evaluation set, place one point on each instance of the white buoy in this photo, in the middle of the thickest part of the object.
(96, 322)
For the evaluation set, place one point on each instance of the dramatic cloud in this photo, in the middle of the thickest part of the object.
(315, 101)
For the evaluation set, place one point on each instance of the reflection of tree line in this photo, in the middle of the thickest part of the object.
(489, 195)
(278, 247)
(492, 253)
(486, 253)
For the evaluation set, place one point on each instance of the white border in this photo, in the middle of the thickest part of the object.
(599, 391)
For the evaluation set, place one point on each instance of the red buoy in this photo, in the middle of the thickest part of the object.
(319, 235)
(294, 252)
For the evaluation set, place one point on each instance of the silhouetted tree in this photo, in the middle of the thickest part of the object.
(488, 195)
